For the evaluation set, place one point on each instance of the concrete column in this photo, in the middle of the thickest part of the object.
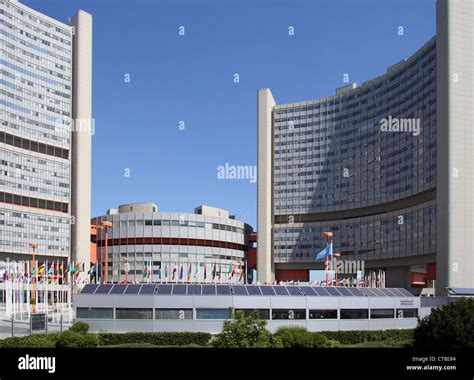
(265, 104)
(81, 137)
(455, 142)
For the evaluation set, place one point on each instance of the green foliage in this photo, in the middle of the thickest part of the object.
(319, 340)
(299, 337)
(243, 332)
(132, 345)
(72, 339)
(361, 336)
(80, 327)
(30, 341)
(388, 343)
(448, 326)
(156, 339)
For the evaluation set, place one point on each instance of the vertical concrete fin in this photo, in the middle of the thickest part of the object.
(81, 137)
(265, 105)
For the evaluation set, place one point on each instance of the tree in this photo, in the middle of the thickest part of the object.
(448, 326)
(245, 331)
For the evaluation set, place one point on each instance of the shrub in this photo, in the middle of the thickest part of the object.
(72, 339)
(299, 337)
(319, 340)
(361, 336)
(448, 326)
(132, 345)
(156, 339)
(243, 332)
(80, 327)
(30, 341)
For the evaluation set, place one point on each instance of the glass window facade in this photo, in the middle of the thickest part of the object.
(212, 314)
(174, 314)
(407, 313)
(381, 313)
(129, 313)
(36, 124)
(288, 314)
(336, 169)
(323, 314)
(354, 314)
(262, 313)
(95, 312)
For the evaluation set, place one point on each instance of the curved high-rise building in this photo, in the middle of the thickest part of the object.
(45, 134)
(385, 166)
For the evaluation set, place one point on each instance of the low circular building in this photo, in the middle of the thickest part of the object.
(145, 245)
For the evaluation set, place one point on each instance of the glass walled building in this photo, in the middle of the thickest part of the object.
(384, 165)
(208, 245)
(45, 89)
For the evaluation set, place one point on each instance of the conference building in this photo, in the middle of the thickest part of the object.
(138, 243)
(45, 134)
(386, 166)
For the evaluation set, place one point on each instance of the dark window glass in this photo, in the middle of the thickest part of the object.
(122, 313)
(289, 314)
(354, 314)
(95, 313)
(148, 222)
(262, 313)
(323, 314)
(407, 313)
(157, 222)
(212, 313)
(174, 314)
(381, 313)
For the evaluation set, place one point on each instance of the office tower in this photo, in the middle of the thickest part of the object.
(386, 166)
(45, 134)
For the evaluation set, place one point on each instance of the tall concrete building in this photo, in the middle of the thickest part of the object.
(45, 134)
(387, 166)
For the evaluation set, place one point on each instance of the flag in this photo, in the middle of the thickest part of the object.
(229, 270)
(327, 251)
(181, 272)
(214, 272)
(175, 268)
(241, 273)
(205, 271)
(233, 271)
(190, 271)
(145, 270)
(159, 272)
(41, 269)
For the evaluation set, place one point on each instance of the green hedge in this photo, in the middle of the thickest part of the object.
(31, 341)
(157, 339)
(361, 336)
(299, 337)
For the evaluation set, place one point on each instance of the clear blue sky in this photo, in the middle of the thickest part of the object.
(190, 78)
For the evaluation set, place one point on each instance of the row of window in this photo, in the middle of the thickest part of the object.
(178, 223)
(212, 313)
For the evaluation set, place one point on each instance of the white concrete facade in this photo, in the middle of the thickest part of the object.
(455, 143)
(265, 103)
(81, 137)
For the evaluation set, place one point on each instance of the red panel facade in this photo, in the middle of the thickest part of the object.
(292, 275)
